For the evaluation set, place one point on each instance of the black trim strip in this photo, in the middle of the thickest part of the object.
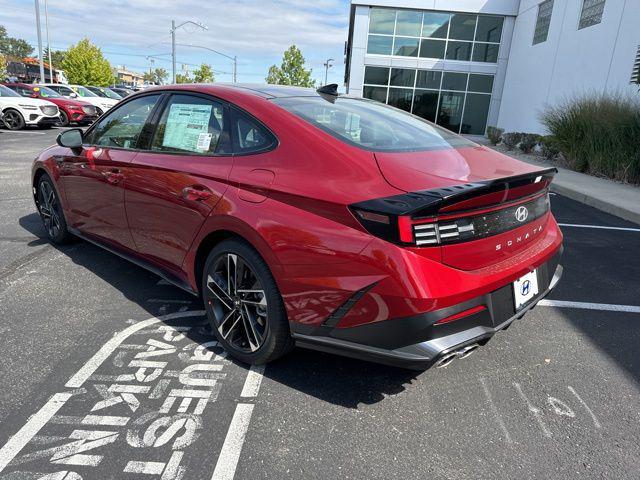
(333, 319)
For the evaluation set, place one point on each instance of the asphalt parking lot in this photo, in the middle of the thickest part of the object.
(108, 372)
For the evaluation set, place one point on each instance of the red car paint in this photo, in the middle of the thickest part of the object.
(72, 108)
(291, 204)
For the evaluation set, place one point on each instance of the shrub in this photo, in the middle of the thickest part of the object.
(528, 141)
(598, 134)
(549, 147)
(511, 139)
(494, 134)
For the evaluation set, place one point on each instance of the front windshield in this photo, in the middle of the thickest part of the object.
(371, 125)
(84, 92)
(7, 92)
(111, 94)
(97, 91)
(46, 92)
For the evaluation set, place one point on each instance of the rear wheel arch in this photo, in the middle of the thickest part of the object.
(238, 230)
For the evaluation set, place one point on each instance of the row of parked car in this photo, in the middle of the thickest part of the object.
(48, 104)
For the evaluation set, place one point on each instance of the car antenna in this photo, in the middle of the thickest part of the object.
(329, 92)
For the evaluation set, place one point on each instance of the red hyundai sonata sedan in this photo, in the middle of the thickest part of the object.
(311, 218)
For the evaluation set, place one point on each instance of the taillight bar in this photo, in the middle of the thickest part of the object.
(481, 225)
(457, 213)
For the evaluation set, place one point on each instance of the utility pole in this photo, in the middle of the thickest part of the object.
(173, 44)
(327, 65)
(46, 26)
(39, 41)
(235, 69)
(173, 51)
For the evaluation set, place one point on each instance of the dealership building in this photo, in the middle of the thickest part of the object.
(467, 64)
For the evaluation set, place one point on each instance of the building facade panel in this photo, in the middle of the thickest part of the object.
(411, 43)
(583, 46)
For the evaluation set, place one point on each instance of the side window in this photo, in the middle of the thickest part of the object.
(249, 136)
(122, 127)
(193, 125)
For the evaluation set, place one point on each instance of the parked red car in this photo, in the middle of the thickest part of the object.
(71, 111)
(310, 218)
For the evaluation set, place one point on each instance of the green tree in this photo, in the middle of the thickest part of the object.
(85, 65)
(157, 75)
(57, 57)
(203, 74)
(3, 67)
(13, 47)
(183, 78)
(292, 71)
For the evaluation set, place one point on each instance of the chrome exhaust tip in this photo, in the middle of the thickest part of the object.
(446, 359)
(468, 350)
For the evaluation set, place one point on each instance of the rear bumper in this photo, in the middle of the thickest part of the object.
(415, 342)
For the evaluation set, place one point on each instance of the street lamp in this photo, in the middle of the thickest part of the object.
(173, 43)
(327, 66)
(234, 59)
(42, 79)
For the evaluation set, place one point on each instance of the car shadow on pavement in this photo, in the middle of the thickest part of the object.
(339, 380)
(135, 283)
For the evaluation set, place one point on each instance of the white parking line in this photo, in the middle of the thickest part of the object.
(232, 447)
(233, 442)
(31, 428)
(590, 306)
(253, 381)
(600, 227)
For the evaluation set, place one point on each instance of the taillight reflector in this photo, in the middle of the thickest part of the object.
(458, 316)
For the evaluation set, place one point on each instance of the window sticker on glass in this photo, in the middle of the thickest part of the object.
(188, 127)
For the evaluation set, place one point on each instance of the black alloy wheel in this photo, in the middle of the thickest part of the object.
(64, 119)
(13, 119)
(243, 304)
(51, 212)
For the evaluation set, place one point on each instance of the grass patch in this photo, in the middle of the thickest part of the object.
(598, 134)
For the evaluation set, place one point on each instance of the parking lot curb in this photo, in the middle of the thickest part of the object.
(574, 192)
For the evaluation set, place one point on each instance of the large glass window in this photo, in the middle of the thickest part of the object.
(382, 20)
(192, 124)
(438, 35)
(122, 126)
(370, 125)
(591, 13)
(545, 9)
(456, 100)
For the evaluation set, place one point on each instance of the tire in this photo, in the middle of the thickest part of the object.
(13, 119)
(51, 213)
(64, 119)
(260, 334)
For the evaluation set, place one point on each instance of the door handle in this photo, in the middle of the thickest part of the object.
(113, 176)
(196, 193)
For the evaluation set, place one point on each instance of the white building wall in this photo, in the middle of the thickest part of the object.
(571, 62)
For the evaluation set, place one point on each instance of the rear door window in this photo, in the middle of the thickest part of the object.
(192, 124)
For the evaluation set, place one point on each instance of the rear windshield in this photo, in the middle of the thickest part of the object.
(371, 125)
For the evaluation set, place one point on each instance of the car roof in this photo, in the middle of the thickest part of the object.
(252, 89)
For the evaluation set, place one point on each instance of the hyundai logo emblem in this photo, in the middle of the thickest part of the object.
(524, 288)
(522, 213)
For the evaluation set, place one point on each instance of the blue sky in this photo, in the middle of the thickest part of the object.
(257, 31)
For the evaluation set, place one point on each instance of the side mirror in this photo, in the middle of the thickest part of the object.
(71, 139)
(73, 95)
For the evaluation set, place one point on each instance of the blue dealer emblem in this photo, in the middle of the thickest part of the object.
(525, 287)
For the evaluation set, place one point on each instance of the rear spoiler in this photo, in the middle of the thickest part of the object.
(427, 203)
